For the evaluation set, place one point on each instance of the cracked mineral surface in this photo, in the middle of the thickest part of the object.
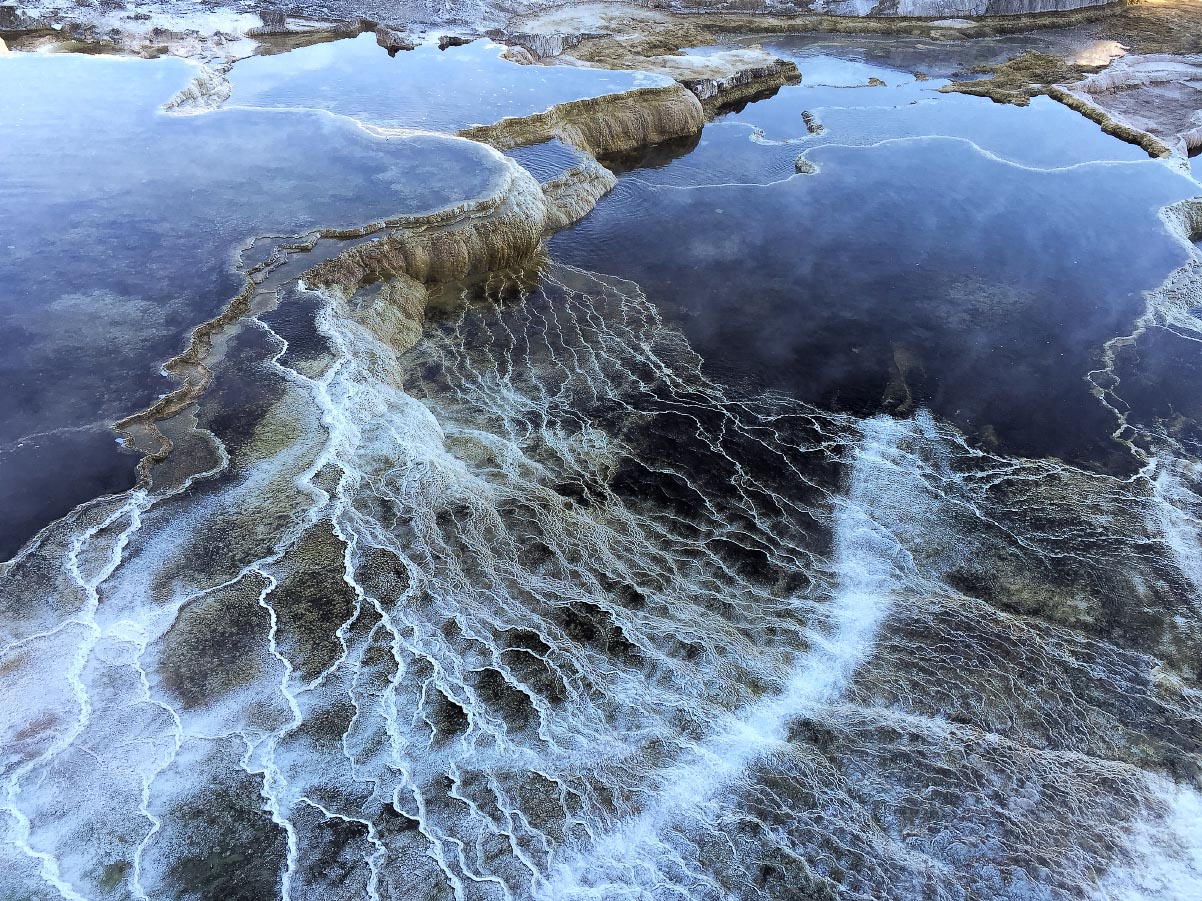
(490, 452)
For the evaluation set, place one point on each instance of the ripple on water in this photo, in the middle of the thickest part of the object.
(549, 159)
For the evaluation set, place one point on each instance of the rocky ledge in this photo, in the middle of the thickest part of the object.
(1151, 98)
(719, 78)
(1158, 94)
(600, 126)
(413, 258)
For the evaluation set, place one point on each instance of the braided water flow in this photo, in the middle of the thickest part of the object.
(502, 597)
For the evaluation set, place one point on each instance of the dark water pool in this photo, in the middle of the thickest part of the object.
(949, 253)
(120, 230)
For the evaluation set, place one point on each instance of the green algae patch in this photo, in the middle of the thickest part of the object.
(114, 874)
(1018, 80)
(1151, 145)
(1033, 74)
(218, 843)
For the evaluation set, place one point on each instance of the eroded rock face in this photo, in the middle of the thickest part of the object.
(496, 234)
(13, 19)
(274, 21)
(931, 9)
(542, 45)
(543, 28)
(613, 123)
(475, 10)
(571, 196)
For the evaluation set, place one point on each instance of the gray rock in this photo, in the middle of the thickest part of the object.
(275, 21)
(392, 40)
(12, 19)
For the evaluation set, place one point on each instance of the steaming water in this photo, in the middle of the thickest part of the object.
(551, 592)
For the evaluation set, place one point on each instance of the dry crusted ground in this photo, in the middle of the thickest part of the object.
(1152, 97)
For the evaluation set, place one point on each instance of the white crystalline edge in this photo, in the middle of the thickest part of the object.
(1167, 851)
(871, 565)
(1174, 506)
(885, 492)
